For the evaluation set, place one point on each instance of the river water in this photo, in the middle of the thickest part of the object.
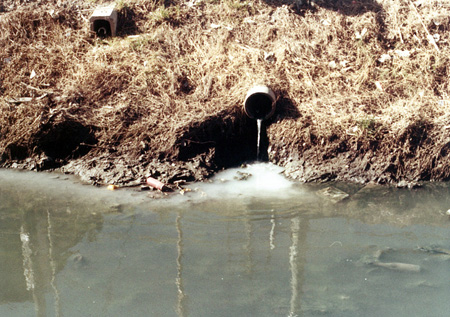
(250, 243)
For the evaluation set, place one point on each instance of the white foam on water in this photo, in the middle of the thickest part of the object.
(254, 180)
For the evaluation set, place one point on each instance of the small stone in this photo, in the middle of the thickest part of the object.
(116, 208)
(333, 194)
(241, 176)
(408, 184)
(402, 184)
(79, 261)
(46, 162)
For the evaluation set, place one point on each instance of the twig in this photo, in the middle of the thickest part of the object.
(429, 36)
(25, 99)
(95, 146)
(35, 88)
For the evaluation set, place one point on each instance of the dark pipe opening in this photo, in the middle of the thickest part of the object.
(258, 106)
(259, 103)
(102, 28)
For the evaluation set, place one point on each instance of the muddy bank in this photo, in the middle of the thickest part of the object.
(367, 153)
(228, 139)
(223, 140)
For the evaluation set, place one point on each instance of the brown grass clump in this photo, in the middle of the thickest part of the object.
(362, 87)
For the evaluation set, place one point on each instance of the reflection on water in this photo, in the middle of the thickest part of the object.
(249, 244)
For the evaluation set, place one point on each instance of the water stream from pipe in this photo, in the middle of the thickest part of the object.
(258, 142)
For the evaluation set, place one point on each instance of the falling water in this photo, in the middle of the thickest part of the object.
(259, 121)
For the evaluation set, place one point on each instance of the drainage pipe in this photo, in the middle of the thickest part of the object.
(259, 103)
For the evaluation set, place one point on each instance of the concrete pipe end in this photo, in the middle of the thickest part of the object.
(259, 103)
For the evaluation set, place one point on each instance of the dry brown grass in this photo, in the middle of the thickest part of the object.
(176, 64)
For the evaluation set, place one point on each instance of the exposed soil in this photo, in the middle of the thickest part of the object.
(362, 89)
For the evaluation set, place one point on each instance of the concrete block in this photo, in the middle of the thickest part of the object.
(104, 22)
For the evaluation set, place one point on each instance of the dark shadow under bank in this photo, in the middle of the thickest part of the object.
(346, 7)
(230, 138)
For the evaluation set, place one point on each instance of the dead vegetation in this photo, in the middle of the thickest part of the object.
(362, 85)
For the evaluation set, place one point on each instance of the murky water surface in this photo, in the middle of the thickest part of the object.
(250, 244)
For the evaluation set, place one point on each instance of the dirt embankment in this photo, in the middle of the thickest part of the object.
(362, 88)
